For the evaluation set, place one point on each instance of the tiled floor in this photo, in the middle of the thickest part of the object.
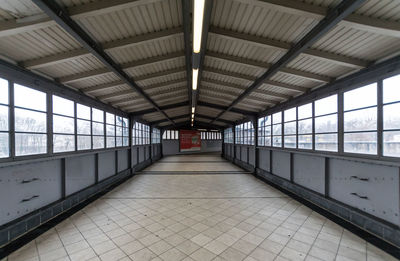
(203, 216)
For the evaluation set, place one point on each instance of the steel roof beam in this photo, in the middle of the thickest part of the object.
(264, 65)
(57, 13)
(221, 107)
(170, 93)
(253, 78)
(342, 10)
(196, 125)
(284, 47)
(362, 22)
(210, 118)
(198, 58)
(242, 88)
(17, 26)
(122, 43)
(188, 48)
(173, 118)
(124, 66)
(164, 108)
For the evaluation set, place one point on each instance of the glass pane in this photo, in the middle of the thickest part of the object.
(290, 128)
(118, 131)
(84, 142)
(305, 111)
(360, 120)
(326, 105)
(277, 129)
(267, 141)
(62, 143)
(290, 115)
(305, 126)
(277, 117)
(290, 141)
(326, 124)
(110, 118)
(30, 121)
(83, 127)
(327, 142)
(391, 116)
(305, 142)
(125, 132)
(82, 111)
(98, 142)
(29, 143)
(277, 141)
(29, 98)
(97, 115)
(110, 130)
(360, 97)
(98, 128)
(391, 143)
(125, 141)
(110, 142)
(391, 89)
(3, 118)
(360, 142)
(63, 124)
(119, 142)
(63, 106)
(4, 145)
(126, 123)
(3, 92)
(119, 120)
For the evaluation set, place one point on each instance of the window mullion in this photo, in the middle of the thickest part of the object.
(49, 114)
(380, 118)
(340, 119)
(11, 119)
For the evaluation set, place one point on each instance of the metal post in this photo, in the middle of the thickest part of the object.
(11, 119)
(340, 122)
(380, 118)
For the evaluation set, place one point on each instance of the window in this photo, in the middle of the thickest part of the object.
(4, 120)
(304, 126)
(30, 121)
(210, 135)
(140, 134)
(110, 130)
(326, 137)
(391, 117)
(360, 120)
(277, 129)
(97, 128)
(245, 133)
(155, 136)
(63, 125)
(122, 131)
(83, 127)
(290, 128)
(264, 131)
(171, 135)
(228, 135)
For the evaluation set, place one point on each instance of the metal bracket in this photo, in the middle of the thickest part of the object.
(29, 199)
(29, 180)
(355, 194)
(363, 179)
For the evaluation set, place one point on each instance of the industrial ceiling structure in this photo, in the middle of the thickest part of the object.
(207, 63)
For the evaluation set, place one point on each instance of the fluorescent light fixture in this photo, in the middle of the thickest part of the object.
(193, 109)
(198, 24)
(195, 75)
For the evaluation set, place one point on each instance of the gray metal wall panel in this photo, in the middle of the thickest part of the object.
(264, 159)
(123, 156)
(106, 164)
(309, 172)
(12, 191)
(141, 154)
(281, 164)
(381, 188)
(79, 173)
(211, 145)
(243, 154)
(251, 156)
(238, 152)
(134, 156)
(170, 147)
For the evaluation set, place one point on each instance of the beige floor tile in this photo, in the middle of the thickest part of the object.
(202, 254)
(172, 255)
